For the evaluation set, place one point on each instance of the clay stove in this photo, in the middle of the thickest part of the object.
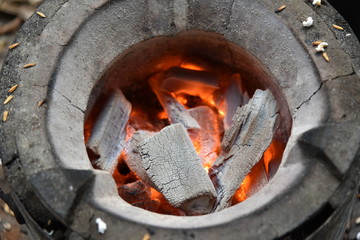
(193, 82)
(314, 186)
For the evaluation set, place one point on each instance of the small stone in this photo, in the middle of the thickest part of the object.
(357, 221)
(358, 236)
(7, 226)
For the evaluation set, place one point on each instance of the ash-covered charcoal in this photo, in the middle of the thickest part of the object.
(175, 110)
(173, 165)
(132, 156)
(192, 82)
(244, 143)
(207, 139)
(233, 99)
(108, 133)
(135, 192)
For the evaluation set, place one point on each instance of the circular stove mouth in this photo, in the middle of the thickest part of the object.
(226, 76)
(44, 146)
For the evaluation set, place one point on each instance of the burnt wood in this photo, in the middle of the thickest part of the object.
(108, 134)
(175, 168)
(207, 138)
(175, 110)
(245, 142)
(133, 157)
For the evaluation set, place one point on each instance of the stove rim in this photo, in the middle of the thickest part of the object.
(193, 220)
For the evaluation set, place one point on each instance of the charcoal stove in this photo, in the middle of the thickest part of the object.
(57, 192)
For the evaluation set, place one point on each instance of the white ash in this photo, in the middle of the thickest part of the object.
(316, 2)
(308, 23)
(321, 47)
(101, 225)
(347, 35)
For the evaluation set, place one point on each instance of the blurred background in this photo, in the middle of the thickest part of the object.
(13, 13)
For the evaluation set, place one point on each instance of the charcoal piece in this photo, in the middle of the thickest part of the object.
(175, 168)
(244, 143)
(207, 139)
(133, 157)
(108, 133)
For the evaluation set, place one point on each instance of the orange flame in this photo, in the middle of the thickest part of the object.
(191, 66)
(153, 200)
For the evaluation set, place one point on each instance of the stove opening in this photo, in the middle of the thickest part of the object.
(187, 124)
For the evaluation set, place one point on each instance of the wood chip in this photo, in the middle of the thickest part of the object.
(338, 27)
(146, 237)
(8, 99)
(13, 88)
(14, 45)
(280, 9)
(41, 14)
(326, 57)
(316, 43)
(29, 65)
(5, 116)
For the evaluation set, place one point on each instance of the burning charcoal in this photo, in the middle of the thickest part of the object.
(133, 157)
(233, 99)
(175, 110)
(175, 168)
(108, 135)
(258, 178)
(135, 192)
(192, 82)
(245, 143)
(207, 138)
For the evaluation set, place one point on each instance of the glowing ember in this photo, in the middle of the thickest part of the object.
(199, 96)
